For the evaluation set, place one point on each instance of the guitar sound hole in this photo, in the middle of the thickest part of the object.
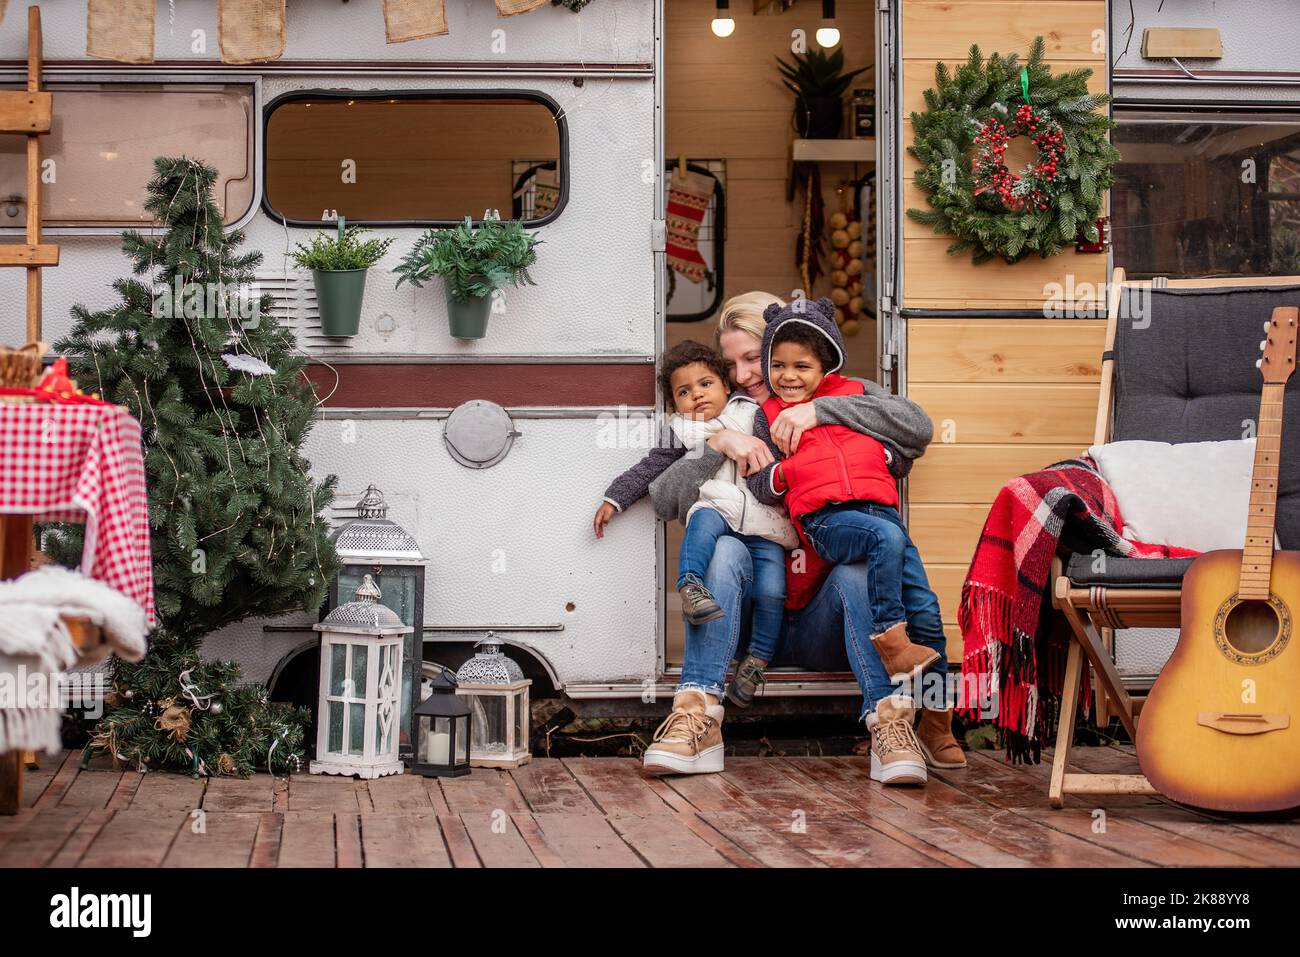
(1251, 626)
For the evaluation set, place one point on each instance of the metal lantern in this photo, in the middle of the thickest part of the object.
(441, 732)
(372, 545)
(498, 701)
(360, 676)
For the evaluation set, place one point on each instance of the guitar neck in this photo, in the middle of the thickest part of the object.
(1257, 554)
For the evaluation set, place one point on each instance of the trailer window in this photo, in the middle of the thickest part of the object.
(1206, 193)
(414, 159)
(105, 137)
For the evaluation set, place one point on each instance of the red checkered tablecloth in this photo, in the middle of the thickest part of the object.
(82, 463)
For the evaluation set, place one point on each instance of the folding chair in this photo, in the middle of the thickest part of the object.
(1179, 366)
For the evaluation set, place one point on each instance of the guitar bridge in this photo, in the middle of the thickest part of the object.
(1243, 722)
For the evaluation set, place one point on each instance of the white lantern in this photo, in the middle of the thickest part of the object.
(360, 682)
(498, 707)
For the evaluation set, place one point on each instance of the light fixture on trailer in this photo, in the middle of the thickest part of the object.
(828, 35)
(723, 25)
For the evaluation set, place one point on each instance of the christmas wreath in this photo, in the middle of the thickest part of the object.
(961, 139)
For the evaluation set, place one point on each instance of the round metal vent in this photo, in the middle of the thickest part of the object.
(479, 433)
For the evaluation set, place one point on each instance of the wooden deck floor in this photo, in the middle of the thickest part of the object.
(803, 812)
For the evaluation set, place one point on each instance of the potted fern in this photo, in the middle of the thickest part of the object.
(339, 263)
(818, 87)
(473, 261)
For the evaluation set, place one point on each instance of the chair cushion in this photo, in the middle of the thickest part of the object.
(1185, 372)
(1127, 572)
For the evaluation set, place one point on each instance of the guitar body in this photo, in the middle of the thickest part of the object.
(1221, 728)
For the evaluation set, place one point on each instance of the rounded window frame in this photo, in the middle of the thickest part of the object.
(557, 112)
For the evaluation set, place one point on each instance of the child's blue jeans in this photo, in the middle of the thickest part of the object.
(703, 530)
(847, 532)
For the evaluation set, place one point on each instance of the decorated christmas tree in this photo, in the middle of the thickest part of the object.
(193, 351)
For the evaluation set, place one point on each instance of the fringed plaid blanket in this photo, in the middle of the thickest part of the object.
(1065, 507)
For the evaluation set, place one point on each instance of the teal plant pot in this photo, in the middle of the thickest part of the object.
(469, 319)
(338, 297)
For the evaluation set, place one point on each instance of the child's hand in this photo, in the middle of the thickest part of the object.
(791, 424)
(603, 515)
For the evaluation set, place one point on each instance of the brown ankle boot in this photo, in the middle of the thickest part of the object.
(940, 748)
(899, 654)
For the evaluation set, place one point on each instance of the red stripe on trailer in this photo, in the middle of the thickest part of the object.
(448, 384)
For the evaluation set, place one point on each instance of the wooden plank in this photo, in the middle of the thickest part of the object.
(946, 533)
(218, 839)
(1011, 350)
(1060, 414)
(92, 789)
(946, 30)
(497, 840)
(17, 254)
(62, 780)
(952, 474)
(24, 112)
(918, 76)
(584, 840)
(124, 793)
(547, 785)
(41, 834)
(538, 846)
(931, 274)
(403, 839)
(256, 793)
(664, 840)
(307, 839)
(459, 845)
(755, 838)
(361, 790)
(266, 845)
(35, 780)
(483, 790)
(80, 840)
(399, 792)
(946, 581)
(616, 786)
(166, 791)
(321, 792)
(347, 840)
(136, 837)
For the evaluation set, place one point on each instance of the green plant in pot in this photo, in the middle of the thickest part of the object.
(474, 261)
(339, 262)
(818, 87)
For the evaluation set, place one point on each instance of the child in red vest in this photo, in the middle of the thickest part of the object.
(843, 500)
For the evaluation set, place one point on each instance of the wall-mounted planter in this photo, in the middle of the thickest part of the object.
(468, 319)
(338, 297)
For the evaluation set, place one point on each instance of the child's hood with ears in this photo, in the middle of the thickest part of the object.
(819, 314)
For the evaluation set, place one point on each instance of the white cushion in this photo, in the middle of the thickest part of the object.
(1192, 494)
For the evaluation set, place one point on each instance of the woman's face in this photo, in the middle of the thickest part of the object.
(744, 355)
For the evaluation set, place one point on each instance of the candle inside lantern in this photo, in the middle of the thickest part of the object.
(435, 745)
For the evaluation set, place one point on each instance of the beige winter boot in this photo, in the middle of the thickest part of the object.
(895, 753)
(899, 654)
(940, 748)
(690, 739)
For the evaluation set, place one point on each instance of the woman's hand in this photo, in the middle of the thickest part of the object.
(791, 424)
(603, 515)
(750, 453)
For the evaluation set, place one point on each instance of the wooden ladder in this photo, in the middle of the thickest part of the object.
(26, 112)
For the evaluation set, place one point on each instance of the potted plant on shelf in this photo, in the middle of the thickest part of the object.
(338, 264)
(818, 87)
(473, 261)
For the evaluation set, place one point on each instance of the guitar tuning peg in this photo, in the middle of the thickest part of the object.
(1263, 344)
(1268, 325)
(1259, 363)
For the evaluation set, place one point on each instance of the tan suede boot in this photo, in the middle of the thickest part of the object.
(940, 748)
(690, 739)
(895, 753)
(899, 654)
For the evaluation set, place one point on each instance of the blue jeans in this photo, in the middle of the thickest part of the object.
(850, 532)
(703, 532)
(832, 634)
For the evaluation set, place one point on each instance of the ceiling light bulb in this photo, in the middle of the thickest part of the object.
(723, 26)
(828, 36)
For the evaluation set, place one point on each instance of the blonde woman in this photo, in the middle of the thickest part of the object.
(833, 632)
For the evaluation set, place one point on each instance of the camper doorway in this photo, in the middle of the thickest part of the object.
(732, 151)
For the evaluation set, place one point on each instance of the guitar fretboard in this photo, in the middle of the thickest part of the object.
(1257, 554)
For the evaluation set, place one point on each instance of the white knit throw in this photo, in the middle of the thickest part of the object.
(35, 643)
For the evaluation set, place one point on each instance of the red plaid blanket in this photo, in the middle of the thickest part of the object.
(1065, 507)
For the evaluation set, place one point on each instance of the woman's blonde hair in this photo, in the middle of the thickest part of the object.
(745, 313)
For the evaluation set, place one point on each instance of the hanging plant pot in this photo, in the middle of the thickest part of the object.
(338, 296)
(819, 117)
(468, 319)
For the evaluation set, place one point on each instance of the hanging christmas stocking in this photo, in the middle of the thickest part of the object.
(414, 19)
(252, 31)
(688, 198)
(120, 30)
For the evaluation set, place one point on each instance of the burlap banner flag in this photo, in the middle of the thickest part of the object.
(512, 8)
(252, 31)
(414, 19)
(120, 30)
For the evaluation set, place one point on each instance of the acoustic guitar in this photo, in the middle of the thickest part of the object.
(1221, 728)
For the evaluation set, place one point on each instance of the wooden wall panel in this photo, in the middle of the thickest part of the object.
(945, 30)
(951, 474)
(1005, 350)
(1015, 413)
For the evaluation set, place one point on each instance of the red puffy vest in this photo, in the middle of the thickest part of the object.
(833, 464)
